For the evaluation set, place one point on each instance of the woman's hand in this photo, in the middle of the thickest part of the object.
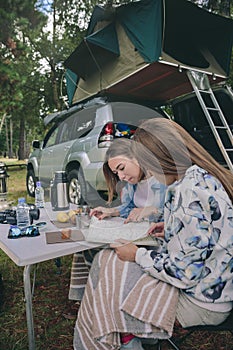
(156, 229)
(102, 212)
(125, 250)
(138, 214)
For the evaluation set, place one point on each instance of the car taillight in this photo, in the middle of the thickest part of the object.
(115, 130)
(109, 129)
(107, 135)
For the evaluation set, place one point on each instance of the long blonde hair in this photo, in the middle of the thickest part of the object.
(171, 150)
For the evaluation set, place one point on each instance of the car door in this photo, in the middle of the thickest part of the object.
(56, 150)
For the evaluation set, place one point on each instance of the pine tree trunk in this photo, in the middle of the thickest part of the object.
(11, 139)
(21, 151)
(7, 137)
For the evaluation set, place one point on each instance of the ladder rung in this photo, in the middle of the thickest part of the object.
(213, 109)
(206, 91)
(211, 112)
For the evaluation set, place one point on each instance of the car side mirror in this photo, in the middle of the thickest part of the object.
(36, 144)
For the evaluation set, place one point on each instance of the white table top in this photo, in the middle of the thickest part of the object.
(31, 250)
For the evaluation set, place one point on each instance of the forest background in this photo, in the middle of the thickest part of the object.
(36, 36)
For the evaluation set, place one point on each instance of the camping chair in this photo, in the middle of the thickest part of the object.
(227, 325)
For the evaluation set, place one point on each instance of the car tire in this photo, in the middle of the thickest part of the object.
(31, 182)
(76, 186)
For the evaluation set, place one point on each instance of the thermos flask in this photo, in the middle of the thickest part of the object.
(58, 191)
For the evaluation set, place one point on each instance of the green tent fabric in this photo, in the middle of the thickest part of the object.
(71, 81)
(144, 26)
(97, 16)
(190, 29)
(94, 52)
(127, 46)
(105, 38)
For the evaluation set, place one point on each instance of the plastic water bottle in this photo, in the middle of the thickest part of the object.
(22, 213)
(39, 195)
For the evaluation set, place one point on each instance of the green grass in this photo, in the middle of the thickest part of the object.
(50, 301)
(16, 181)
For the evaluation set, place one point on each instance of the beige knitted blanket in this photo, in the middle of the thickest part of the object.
(120, 297)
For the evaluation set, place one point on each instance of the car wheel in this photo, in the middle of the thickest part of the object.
(31, 183)
(76, 187)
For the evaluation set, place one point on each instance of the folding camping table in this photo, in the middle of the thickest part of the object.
(29, 251)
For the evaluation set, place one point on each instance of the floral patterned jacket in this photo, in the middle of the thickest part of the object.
(198, 219)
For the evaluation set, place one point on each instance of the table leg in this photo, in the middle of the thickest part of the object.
(28, 301)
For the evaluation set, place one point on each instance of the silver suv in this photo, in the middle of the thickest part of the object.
(77, 144)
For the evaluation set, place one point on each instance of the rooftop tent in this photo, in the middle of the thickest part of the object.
(194, 36)
(94, 52)
(71, 81)
(142, 49)
(143, 24)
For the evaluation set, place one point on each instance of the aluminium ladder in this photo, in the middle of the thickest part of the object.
(213, 113)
